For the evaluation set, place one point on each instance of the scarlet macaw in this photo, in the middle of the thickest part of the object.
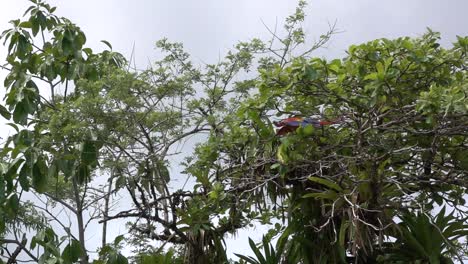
(292, 123)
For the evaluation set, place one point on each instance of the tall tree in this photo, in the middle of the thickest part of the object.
(46, 58)
(375, 186)
(372, 186)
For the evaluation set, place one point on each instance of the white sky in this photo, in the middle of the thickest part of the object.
(208, 28)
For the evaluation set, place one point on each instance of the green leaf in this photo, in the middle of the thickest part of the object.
(53, 170)
(256, 251)
(13, 169)
(164, 172)
(380, 68)
(89, 153)
(20, 114)
(275, 166)
(282, 154)
(118, 259)
(120, 182)
(247, 259)
(66, 166)
(342, 235)
(23, 47)
(72, 252)
(107, 44)
(24, 174)
(326, 182)
(80, 39)
(13, 203)
(118, 239)
(311, 73)
(308, 130)
(266, 248)
(25, 24)
(35, 26)
(371, 76)
(461, 158)
(68, 46)
(329, 195)
(4, 112)
(39, 174)
(83, 174)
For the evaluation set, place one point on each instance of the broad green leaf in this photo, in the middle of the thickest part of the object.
(52, 171)
(39, 175)
(83, 174)
(20, 113)
(308, 130)
(14, 203)
(107, 44)
(118, 239)
(89, 153)
(164, 172)
(23, 177)
(330, 195)
(326, 182)
(67, 44)
(256, 251)
(118, 259)
(248, 259)
(66, 166)
(72, 252)
(25, 24)
(13, 168)
(380, 68)
(311, 73)
(342, 234)
(282, 154)
(275, 166)
(120, 182)
(4, 112)
(462, 159)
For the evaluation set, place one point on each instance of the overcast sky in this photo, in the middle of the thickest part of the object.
(208, 28)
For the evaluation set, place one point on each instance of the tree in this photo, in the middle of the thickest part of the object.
(133, 118)
(370, 188)
(141, 117)
(385, 172)
(48, 51)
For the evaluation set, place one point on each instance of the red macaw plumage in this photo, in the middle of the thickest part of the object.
(292, 123)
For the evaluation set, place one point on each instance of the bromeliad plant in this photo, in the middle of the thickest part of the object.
(270, 256)
(423, 238)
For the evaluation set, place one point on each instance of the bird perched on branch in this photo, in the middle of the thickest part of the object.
(290, 124)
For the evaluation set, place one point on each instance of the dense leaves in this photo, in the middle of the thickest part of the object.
(405, 110)
(371, 188)
(46, 58)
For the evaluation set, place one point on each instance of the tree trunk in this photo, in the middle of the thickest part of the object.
(79, 218)
(106, 209)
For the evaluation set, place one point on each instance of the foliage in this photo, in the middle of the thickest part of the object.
(45, 50)
(110, 253)
(368, 189)
(420, 238)
(166, 258)
(269, 257)
(397, 152)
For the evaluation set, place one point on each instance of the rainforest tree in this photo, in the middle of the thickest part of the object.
(387, 183)
(383, 183)
(46, 58)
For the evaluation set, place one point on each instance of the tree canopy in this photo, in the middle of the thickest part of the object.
(384, 183)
